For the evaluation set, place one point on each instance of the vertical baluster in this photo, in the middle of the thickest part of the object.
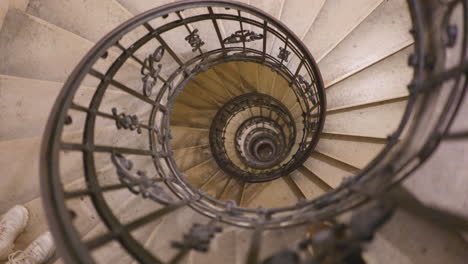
(163, 43)
(296, 73)
(242, 29)
(216, 26)
(193, 38)
(265, 26)
(254, 251)
(284, 53)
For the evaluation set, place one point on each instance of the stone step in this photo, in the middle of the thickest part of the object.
(334, 22)
(329, 170)
(377, 120)
(28, 103)
(389, 76)
(353, 151)
(284, 195)
(386, 31)
(310, 185)
(33, 48)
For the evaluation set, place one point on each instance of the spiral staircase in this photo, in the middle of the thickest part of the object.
(220, 131)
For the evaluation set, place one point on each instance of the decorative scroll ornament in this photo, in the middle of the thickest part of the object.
(284, 54)
(307, 87)
(150, 72)
(139, 184)
(194, 40)
(242, 36)
(199, 237)
(126, 121)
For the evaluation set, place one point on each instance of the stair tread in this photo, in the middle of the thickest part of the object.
(229, 74)
(33, 48)
(284, 195)
(355, 152)
(15, 153)
(323, 36)
(233, 191)
(294, 12)
(248, 73)
(172, 229)
(328, 170)
(187, 158)
(201, 173)
(352, 54)
(389, 77)
(184, 115)
(185, 137)
(216, 185)
(136, 208)
(310, 185)
(272, 7)
(374, 121)
(140, 6)
(30, 101)
(81, 18)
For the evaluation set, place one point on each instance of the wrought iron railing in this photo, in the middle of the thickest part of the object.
(166, 64)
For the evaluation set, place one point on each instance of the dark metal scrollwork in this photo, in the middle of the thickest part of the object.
(284, 54)
(194, 40)
(140, 183)
(150, 72)
(307, 87)
(125, 121)
(199, 237)
(242, 36)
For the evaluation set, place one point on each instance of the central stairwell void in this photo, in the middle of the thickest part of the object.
(213, 114)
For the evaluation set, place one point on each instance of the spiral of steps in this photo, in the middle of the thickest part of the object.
(254, 136)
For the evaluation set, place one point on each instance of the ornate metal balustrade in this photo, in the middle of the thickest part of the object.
(166, 66)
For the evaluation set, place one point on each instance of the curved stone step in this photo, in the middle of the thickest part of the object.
(201, 174)
(377, 120)
(91, 20)
(248, 73)
(87, 217)
(353, 151)
(172, 228)
(328, 170)
(334, 22)
(294, 12)
(229, 74)
(387, 79)
(409, 239)
(214, 86)
(189, 157)
(310, 185)
(233, 191)
(139, 6)
(272, 7)
(113, 252)
(33, 48)
(216, 185)
(384, 32)
(190, 117)
(21, 184)
(183, 137)
(255, 196)
(28, 103)
(198, 97)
